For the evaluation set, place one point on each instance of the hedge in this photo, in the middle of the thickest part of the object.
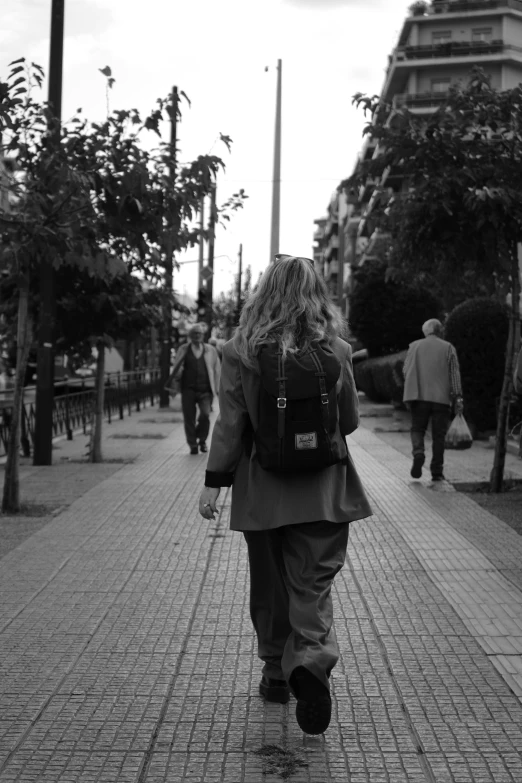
(478, 328)
(381, 379)
(387, 316)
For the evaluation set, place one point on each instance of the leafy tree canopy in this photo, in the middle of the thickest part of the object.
(94, 198)
(226, 311)
(460, 203)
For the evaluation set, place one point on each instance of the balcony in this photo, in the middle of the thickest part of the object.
(366, 190)
(454, 49)
(421, 100)
(459, 6)
(330, 252)
(331, 228)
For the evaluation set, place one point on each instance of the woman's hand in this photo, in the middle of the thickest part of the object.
(207, 502)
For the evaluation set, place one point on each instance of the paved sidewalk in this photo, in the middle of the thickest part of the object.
(393, 426)
(127, 654)
(47, 490)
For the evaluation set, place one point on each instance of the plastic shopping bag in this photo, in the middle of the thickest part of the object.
(458, 435)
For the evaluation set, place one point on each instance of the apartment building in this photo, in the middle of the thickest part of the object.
(319, 243)
(438, 45)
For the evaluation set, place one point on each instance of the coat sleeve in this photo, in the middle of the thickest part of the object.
(408, 362)
(348, 399)
(178, 361)
(217, 370)
(231, 424)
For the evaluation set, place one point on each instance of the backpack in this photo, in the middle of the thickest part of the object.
(298, 412)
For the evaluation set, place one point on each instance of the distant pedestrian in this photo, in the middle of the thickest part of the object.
(431, 386)
(196, 370)
(287, 400)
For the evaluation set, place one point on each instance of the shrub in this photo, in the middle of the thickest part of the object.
(387, 316)
(381, 379)
(478, 328)
(419, 8)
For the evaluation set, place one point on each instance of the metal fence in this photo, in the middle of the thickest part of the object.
(74, 404)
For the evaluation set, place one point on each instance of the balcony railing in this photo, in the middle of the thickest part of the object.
(421, 100)
(454, 49)
(473, 5)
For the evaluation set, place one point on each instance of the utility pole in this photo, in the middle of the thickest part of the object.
(276, 179)
(239, 275)
(166, 345)
(43, 427)
(201, 259)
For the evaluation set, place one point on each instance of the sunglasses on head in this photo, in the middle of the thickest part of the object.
(282, 256)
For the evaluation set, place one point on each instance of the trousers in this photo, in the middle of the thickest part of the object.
(440, 415)
(196, 430)
(291, 573)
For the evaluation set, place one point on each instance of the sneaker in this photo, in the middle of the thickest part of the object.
(276, 691)
(203, 447)
(194, 450)
(416, 468)
(438, 478)
(314, 703)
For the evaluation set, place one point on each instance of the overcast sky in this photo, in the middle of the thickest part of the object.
(216, 51)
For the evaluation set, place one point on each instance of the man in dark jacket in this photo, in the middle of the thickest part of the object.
(431, 384)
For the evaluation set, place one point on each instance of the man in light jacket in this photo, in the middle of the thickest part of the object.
(197, 370)
(431, 384)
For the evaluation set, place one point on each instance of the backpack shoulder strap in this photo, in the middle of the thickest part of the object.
(281, 399)
(321, 376)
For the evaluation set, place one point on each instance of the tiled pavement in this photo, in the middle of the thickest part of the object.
(127, 652)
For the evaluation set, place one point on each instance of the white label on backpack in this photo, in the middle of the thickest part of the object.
(306, 440)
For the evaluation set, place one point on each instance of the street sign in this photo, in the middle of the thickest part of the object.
(206, 273)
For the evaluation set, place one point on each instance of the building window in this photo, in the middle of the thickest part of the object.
(483, 34)
(441, 37)
(440, 85)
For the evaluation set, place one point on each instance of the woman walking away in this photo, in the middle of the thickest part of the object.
(287, 400)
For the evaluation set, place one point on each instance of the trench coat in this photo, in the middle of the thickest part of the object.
(261, 499)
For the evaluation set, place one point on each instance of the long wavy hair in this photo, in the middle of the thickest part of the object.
(290, 305)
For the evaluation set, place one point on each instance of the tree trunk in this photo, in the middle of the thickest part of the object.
(497, 473)
(11, 494)
(95, 454)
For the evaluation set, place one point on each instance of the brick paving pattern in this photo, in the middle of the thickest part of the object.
(127, 654)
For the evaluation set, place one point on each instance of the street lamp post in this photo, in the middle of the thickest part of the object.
(43, 428)
(166, 345)
(276, 180)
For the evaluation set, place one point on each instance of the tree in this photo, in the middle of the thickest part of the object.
(90, 197)
(94, 312)
(228, 306)
(460, 209)
(49, 220)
